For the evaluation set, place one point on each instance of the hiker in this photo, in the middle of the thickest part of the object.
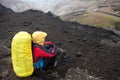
(27, 57)
(44, 53)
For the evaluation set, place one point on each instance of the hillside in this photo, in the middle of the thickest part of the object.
(99, 48)
(100, 20)
(104, 13)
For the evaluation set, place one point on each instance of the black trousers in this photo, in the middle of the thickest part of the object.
(48, 62)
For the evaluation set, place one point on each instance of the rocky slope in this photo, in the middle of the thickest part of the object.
(99, 48)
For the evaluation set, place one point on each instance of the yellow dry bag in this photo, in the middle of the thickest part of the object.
(21, 53)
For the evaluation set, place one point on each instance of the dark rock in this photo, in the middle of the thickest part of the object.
(84, 39)
(108, 42)
(26, 23)
(50, 13)
(114, 38)
(65, 32)
(58, 44)
(79, 54)
(79, 74)
(70, 41)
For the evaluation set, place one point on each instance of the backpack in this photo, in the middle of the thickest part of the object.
(21, 54)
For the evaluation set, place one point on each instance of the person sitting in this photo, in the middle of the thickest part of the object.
(44, 53)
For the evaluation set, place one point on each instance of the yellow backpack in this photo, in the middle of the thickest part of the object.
(21, 54)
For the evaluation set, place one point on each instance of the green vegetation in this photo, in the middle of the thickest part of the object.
(99, 20)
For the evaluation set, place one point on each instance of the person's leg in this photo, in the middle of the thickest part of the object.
(48, 62)
(53, 62)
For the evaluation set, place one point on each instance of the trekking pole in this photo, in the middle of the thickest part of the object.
(6, 48)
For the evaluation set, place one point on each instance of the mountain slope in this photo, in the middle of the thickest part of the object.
(105, 13)
(99, 20)
(99, 48)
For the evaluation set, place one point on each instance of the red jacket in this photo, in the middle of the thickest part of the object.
(46, 51)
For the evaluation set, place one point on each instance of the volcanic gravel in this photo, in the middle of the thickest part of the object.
(95, 50)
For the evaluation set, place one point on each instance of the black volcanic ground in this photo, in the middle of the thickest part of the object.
(100, 48)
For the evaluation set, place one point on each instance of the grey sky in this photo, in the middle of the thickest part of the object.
(58, 7)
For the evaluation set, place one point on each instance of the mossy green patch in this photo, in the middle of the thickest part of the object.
(99, 20)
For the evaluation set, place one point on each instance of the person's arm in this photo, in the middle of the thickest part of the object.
(50, 47)
(38, 52)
